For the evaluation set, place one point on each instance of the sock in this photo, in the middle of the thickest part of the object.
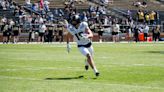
(86, 62)
(95, 70)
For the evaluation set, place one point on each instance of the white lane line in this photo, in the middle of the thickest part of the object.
(92, 83)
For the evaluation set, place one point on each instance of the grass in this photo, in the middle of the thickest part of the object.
(49, 68)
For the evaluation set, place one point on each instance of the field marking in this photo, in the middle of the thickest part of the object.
(127, 85)
(93, 83)
(29, 66)
(103, 57)
(38, 69)
(21, 68)
(18, 78)
(139, 65)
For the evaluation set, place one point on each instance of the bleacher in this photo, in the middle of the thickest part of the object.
(128, 5)
(121, 5)
(6, 13)
(56, 3)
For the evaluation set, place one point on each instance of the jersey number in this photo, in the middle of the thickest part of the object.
(78, 35)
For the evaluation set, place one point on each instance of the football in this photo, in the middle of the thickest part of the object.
(84, 35)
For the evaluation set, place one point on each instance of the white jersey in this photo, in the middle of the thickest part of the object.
(79, 33)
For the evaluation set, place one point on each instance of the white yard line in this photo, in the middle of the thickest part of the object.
(127, 85)
(22, 68)
(18, 78)
(38, 69)
(132, 65)
(75, 82)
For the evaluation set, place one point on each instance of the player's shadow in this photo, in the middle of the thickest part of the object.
(65, 78)
(156, 52)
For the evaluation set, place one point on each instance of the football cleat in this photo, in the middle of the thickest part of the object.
(97, 74)
(86, 67)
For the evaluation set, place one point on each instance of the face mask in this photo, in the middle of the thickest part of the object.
(74, 23)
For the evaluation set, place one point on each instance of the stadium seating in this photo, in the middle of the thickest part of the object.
(121, 5)
(128, 4)
(55, 3)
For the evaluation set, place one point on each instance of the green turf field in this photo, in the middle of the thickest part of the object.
(49, 68)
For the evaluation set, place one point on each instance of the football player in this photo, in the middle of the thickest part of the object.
(82, 34)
